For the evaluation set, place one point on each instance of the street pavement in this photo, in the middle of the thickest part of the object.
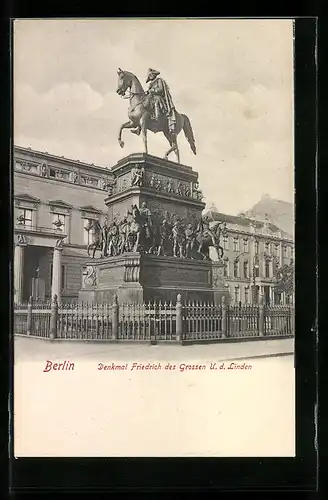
(34, 349)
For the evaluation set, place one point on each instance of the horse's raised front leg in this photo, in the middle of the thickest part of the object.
(128, 124)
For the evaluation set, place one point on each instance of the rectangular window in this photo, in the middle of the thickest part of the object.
(63, 276)
(267, 247)
(226, 243)
(246, 295)
(52, 172)
(59, 223)
(25, 217)
(245, 245)
(235, 244)
(256, 247)
(291, 252)
(236, 269)
(267, 269)
(246, 269)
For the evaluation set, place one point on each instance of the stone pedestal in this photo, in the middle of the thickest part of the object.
(169, 190)
(142, 278)
(165, 186)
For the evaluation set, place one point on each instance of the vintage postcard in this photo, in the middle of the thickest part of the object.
(153, 167)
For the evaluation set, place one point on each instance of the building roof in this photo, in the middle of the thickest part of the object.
(240, 220)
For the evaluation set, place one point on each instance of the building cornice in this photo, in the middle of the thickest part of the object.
(44, 155)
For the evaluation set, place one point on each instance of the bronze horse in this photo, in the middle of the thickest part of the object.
(140, 111)
(97, 236)
(207, 238)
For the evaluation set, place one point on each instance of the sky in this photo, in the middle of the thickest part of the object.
(232, 78)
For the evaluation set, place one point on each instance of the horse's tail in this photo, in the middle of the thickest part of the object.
(187, 128)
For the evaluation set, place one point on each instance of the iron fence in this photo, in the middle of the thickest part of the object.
(153, 322)
(243, 321)
(84, 321)
(147, 322)
(202, 321)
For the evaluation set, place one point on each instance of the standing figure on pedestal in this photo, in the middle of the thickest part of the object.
(165, 230)
(190, 239)
(146, 218)
(124, 230)
(104, 231)
(113, 239)
(138, 176)
(178, 235)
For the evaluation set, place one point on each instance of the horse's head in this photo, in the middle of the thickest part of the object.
(124, 81)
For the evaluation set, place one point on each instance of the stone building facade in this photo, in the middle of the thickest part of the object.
(253, 250)
(53, 198)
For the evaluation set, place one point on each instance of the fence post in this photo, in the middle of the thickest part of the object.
(53, 317)
(29, 315)
(178, 309)
(224, 317)
(115, 318)
(261, 317)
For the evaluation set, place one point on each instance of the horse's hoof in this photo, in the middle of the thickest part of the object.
(121, 144)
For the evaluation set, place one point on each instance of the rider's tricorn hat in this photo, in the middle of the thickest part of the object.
(151, 72)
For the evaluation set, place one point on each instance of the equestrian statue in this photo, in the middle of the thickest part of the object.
(153, 110)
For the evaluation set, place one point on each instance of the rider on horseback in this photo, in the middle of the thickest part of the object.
(162, 99)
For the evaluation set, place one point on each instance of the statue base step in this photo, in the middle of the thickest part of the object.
(138, 278)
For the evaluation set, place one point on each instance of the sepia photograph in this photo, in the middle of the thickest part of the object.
(153, 228)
